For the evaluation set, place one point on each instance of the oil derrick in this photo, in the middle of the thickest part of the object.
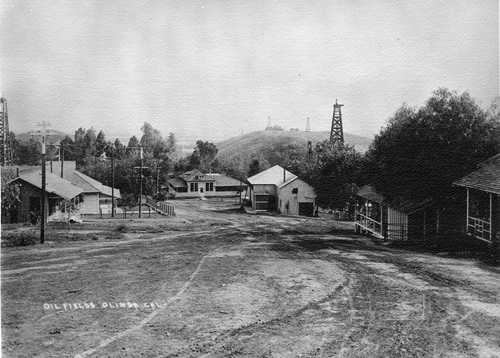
(6, 156)
(308, 125)
(337, 133)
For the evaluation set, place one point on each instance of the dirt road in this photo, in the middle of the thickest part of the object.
(228, 284)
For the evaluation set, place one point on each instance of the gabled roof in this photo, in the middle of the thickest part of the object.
(54, 184)
(272, 176)
(486, 178)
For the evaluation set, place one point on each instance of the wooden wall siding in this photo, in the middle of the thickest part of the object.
(397, 225)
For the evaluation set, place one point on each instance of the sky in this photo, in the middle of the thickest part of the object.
(213, 69)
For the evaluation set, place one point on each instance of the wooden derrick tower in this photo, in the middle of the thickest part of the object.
(6, 154)
(337, 132)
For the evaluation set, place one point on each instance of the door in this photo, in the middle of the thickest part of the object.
(306, 209)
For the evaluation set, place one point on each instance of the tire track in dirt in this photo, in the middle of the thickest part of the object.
(150, 316)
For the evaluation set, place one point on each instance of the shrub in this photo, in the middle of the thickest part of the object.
(121, 228)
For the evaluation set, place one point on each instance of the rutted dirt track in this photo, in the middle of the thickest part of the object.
(244, 286)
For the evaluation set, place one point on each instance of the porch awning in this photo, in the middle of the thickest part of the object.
(486, 178)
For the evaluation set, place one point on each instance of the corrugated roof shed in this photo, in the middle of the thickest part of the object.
(486, 178)
(271, 176)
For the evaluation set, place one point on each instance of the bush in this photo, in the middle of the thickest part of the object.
(24, 238)
(121, 228)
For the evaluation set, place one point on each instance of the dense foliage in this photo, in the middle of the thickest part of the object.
(334, 174)
(422, 151)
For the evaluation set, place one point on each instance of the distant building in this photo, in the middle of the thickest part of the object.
(277, 189)
(482, 218)
(195, 184)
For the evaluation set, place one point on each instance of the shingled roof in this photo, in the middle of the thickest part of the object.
(486, 178)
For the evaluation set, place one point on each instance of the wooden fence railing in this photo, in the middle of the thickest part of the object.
(162, 207)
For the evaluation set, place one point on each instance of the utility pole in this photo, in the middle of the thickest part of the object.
(140, 189)
(113, 184)
(43, 134)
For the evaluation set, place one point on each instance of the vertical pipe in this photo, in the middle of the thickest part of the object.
(62, 160)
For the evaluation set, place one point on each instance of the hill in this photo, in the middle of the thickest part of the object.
(268, 146)
(256, 140)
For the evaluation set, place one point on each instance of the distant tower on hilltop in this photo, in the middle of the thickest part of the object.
(269, 127)
(308, 125)
(337, 132)
(6, 154)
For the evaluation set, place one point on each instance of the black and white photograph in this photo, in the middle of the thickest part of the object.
(236, 178)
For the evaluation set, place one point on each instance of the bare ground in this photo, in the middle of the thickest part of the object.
(214, 282)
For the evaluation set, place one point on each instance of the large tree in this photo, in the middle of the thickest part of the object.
(334, 174)
(422, 151)
(204, 156)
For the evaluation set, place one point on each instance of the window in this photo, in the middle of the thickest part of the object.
(193, 187)
(209, 186)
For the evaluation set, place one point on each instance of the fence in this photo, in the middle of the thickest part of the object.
(162, 207)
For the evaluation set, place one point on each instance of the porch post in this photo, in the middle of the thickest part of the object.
(491, 217)
(467, 216)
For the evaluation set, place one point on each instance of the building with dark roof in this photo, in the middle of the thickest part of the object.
(409, 221)
(60, 192)
(482, 219)
(195, 184)
(92, 197)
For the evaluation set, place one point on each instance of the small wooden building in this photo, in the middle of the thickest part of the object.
(482, 219)
(278, 190)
